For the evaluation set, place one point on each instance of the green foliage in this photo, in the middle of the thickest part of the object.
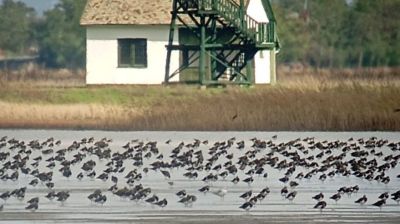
(15, 26)
(337, 33)
(60, 37)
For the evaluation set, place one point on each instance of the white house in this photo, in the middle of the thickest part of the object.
(126, 42)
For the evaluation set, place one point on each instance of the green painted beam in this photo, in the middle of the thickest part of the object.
(170, 41)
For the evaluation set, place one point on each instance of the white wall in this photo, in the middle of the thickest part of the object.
(102, 55)
(255, 9)
(262, 71)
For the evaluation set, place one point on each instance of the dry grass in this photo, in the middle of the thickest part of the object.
(76, 116)
(302, 101)
(33, 74)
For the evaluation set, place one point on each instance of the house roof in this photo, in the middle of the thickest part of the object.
(128, 12)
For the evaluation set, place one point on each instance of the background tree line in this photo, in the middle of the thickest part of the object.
(319, 33)
(339, 33)
(57, 36)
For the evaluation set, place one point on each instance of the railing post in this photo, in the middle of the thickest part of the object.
(242, 13)
(202, 59)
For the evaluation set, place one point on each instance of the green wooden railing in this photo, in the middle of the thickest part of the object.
(236, 16)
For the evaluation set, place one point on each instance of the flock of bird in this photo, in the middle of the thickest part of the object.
(203, 162)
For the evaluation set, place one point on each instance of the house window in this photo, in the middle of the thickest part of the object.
(132, 53)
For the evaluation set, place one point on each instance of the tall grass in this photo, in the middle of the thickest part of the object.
(301, 101)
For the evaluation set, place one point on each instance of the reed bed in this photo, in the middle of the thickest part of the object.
(75, 116)
(301, 101)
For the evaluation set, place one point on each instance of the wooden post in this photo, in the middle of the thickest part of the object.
(170, 41)
(202, 60)
(272, 66)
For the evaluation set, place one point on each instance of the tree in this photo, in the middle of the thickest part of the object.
(15, 26)
(60, 37)
(339, 33)
(327, 19)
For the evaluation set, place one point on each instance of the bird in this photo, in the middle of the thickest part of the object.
(293, 184)
(318, 197)
(380, 203)
(396, 198)
(234, 116)
(188, 200)
(153, 199)
(33, 200)
(246, 196)
(93, 196)
(162, 203)
(166, 174)
(321, 205)
(50, 185)
(32, 207)
(34, 182)
(181, 193)
(284, 191)
(205, 189)
(291, 195)
(384, 196)
(361, 200)
(101, 199)
(336, 197)
(6, 195)
(51, 195)
(236, 180)
(284, 179)
(62, 196)
(220, 192)
(246, 206)
(248, 180)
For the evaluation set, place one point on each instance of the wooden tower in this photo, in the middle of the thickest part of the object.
(220, 40)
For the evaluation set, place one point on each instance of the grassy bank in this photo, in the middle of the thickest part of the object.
(312, 102)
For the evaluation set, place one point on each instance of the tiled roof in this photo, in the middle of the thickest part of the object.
(140, 12)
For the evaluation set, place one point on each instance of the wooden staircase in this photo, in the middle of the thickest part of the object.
(229, 59)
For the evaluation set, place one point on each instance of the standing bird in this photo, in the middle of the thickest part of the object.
(384, 196)
(318, 197)
(181, 193)
(162, 203)
(166, 174)
(246, 195)
(205, 189)
(380, 203)
(33, 206)
(220, 192)
(236, 180)
(396, 196)
(362, 200)
(336, 197)
(101, 199)
(248, 180)
(284, 191)
(6, 195)
(291, 195)
(321, 205)
(247, 206)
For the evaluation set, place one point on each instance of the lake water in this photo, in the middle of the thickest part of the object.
(208, 207)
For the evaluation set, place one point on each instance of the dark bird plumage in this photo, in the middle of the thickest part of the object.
(321, 205)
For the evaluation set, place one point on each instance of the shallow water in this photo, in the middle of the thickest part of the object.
(208, 207)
